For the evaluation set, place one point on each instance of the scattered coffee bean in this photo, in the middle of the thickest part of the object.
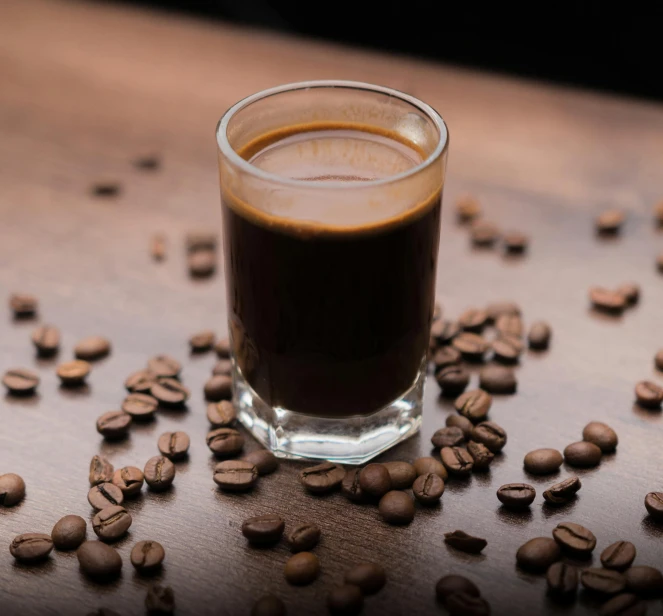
(401, 474)
(218, 387)
(648, 394)
(609, 222)
(618, 556)
(98, 560)
(346, 599)
(446, 356)
(264, 460)
(73, 373)
(630, 291)
(428, 464)
(457, 461)
(497, 309)
(140, 382)
(202, 341)
(104, 495)
(507, 349)
(461, 604)
(538, 554)
(170, 392)
(140, 406)
(463, 423)
(562, 580)
(263, 529)
(222, 348)
(111, 523)
(443, 332)
(158, 247)
(69, 532)
(92, 347)
(106, 189)
(447, 437)
(466, 543)
(491, 435)
(515, 242)
(498, 379)
(369, 577)
(31, 547)
(396, 507)
(467, 208)
(562, 492)
(12, 489)
(174, 445)
(20, 381)
(303, 538)
(147, 556)
(269, 605)
(129, 479)
(516, 495)
(23, 305)
(164, 366)
(483, 233)
(452, 380)
(322, 478)
(481, 455)
(472, 346)
(225, 442)
(202, 263)
(160, 600)
(602, 435)
(543, 461)
(510, 325)
(473, 319)
(574, 539)
(539, 335)
(582, 454)
(474, 404)
(603, 581)
(221, 414)
(302, 568)
(624, 605)
(428, 489)
(644, 580)
(454, 584)
(46, 339)
(113, 424)
(606, 300)
(235, 475)
(654, 505)
(159, 473)
(223, 366)
(100, 470)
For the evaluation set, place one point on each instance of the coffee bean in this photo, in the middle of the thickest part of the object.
(562, 492)
(69, 532)
(346, 599)
(269, 605)
(147, 556)
(350, 486)
(507, 349)
(473, 319)
(491, 435)
(539, 335)
(264, 460)
(218, 387)
(164, 366)
(12, 489)
(496, 309)
(602, 435)
(369, 577)
(221, 414)
(543, 461)
(202, 341)
(446, 356)
(73, 373)
(322, 478)
(467, 208)
(618, 556)
(648, 394)
(174, 445)
(159, 473)
(202, 263)
(606, 300)
(235, 475)
(158, 247)
(483, 233)
(111, 523)
(457, 461)
(631, 291)
(20, 381)
(644, 580)
(428, 489)
(31, 547)
(225, 442)
(222, 348)
(303, 538)
(515, 242)
(92, 347)
(428, 464)
(510, 325)
(396, 507)
(23, 305)
(454, 584)
(474, 404)
(223, 366)
(129, 479)
(98, 560)
(582, 454)
(46, 339)
(113, 424)
(160, 600)
(452, 380)
(516, 495)
(481, 455)
(140, 382)
(100, 470)
(463, 423)
(263, 529)
(140, 406)
(472, 346)
(538, 554)
(461, 604)
(401, 474)
(574, 539)
(562, 580)
(443, 332)
(170, 392)
(104, 495)
(603, 581)
(302, 568)
(447, 437)
(624, 605)
(498, 379)
(609, 221)
(654, 505)
(466, 543)
(106, 189)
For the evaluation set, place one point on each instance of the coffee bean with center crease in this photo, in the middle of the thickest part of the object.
(496, 309)
(543, 461)
(463, 423)
(263, 529)
(235, 475)
(427, 464)
(466, 543)
(98, 561)
(164, 366)
(562, 492)
(644, 580)
(603, 581)
(396, 507)
(574, 539)
(160, 600)
(174, 445)
(509, 325)
(140, 406)
(69, 532)
(269, 605)
(225, 442)
(457, 461)
(12, 489)
(446, 356)
(473, 319)
(23, 305)
(605, 300)
(452, 380)
(303, 538)
(648, 394)
(147, 556)
(474, 404)
(461, 604)
(223, 366)
(471, 346)
(443, 332)
(582, 454)
(624, 605)
(111, 523)
(562, 580)
(72, 373)
(202, 341)
(140, 382)
(453, 584)
(100, 470)
(515, 242)
(428, 489)
(602, 435)
(218, 387)
(447, 437)
(538, 554)
(302, 568)
(323, 477)
(222, 348)
(369, 577)
(31, 547)
(350, 486)
(92, 347)
(516, 495)
(483, 233)
(402, 474)
(539, 335)
(481, 455)
(507, 349)
(265, 461)
(114, 425)
(104, 495)
(491, 435)
(20, 381)
(345, 600)
(221, 414)
(170, 392)
(618, 556)
(654, 505)
(609, 221)
(46, 339)
(129, 479)
(159, 473)
(498, 379)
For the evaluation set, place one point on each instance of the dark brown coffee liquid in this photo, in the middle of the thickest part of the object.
(331, 321)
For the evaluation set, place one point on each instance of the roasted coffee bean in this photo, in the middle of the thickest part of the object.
(31, 547)
(158, 247)
(396, 507)
(498, 379)
(466, 543)
(481, 455)
(644, 580)
(428, 464)
(218, 387)
(98, 560)
(106, 189)
(538, 554)
(374, 480)
(223, 366)
(402, 474)
(582, 454)
(543, 461)
(202, 341)
(497, 309)
(452, 380)
(562, 580)
(606, 300)
(147, 556)
(648, 394)
(457, 461)
(201, 240)
(574, 539)
(174, 445)
(20, 381)
(603, 581)
(610, 221)
(140, 382)
(46, 339)
(160, 600)
(222, 348)
(111, 523)
(472, 346)
(225, 442)
(221, 414)
(473, 319)
(92, 347)
(140, 406)
(510, 325)
(483, 233)
(164, 366)
(515, 242)
(631, 291)
(463, 423)
(453, 584)
(516, 495)
(74, 372)
(658, 360)
(539, 335)
(507, 349)
(428, 489)
(12, 489)
(447, 437)
(624, 605)
(69, 532)
(170, 392)
(159, 473)
(443, 332)
(235, 475)
(302, 568)
(602, 435)
(264, 460)
(350, 486)
(491, 435)
(129, 479)
(345, 600)
(114, 424)
(23, 305)
(369, 577)
(460, 604)
(474, 404)
(104, 495)
(303, 538)
(263, 529)
(654, 505)
(562, 492)
(446, 356)
(322, 478)
(202, 263)
(467, 208)
(618, 556)
(100, 470)
(269, 605)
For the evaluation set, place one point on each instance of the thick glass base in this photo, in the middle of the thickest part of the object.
(350, 440)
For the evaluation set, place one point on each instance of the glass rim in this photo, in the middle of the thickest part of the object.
(229, 152)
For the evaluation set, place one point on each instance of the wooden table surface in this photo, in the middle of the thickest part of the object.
(85, 88)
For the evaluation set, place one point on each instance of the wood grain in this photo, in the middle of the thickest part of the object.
(86, 88)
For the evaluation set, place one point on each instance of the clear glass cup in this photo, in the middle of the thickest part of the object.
(331, 197)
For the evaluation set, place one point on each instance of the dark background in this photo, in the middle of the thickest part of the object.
(583, 43)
